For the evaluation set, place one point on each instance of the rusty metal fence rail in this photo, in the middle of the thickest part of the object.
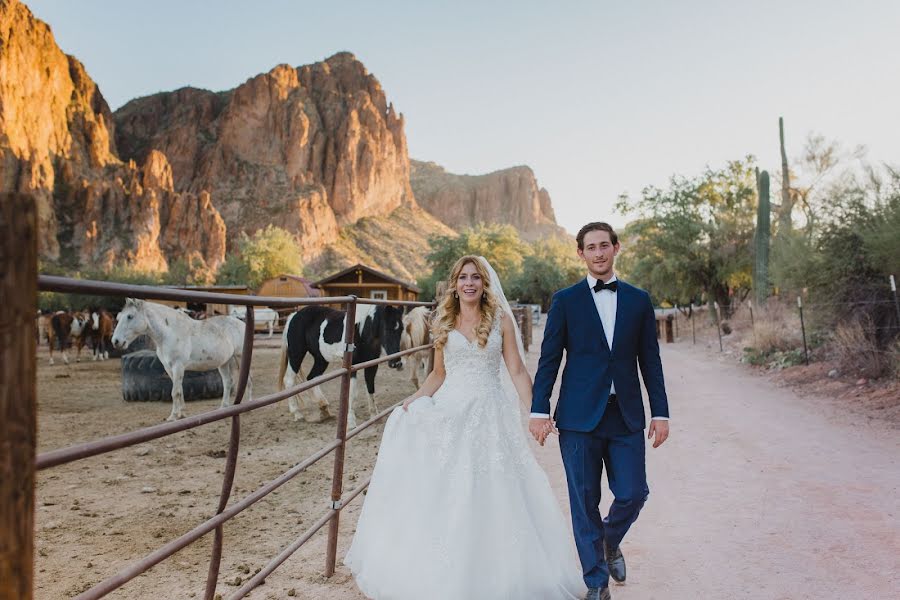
(224, 512)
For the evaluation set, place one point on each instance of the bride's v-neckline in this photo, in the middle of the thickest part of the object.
(465, 337)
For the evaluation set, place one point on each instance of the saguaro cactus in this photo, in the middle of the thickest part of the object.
(787, 202)
(763, 230)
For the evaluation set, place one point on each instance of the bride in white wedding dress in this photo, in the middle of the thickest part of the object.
(458, 507)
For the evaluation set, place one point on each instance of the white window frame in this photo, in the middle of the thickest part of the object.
(378, 294)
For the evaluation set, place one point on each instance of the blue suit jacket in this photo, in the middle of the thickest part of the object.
(574, 326)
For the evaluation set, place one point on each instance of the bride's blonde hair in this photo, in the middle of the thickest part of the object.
(448, 306)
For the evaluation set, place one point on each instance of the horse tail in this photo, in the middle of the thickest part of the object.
(282, 362)
(282, 366)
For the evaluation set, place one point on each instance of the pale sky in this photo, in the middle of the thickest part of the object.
(599, 98)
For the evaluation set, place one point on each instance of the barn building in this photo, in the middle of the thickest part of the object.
(288, 286)
(365, 282)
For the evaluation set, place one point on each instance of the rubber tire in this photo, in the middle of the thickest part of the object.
(145, 380)
(143, 342)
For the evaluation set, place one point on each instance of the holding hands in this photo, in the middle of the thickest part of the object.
(540, 428)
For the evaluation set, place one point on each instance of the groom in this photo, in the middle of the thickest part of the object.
(607, 329)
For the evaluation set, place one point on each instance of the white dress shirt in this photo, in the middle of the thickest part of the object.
(606, 303)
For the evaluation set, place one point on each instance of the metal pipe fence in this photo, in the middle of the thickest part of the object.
(224, 512)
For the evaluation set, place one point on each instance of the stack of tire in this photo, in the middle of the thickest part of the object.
(145, 380)
(141, 343)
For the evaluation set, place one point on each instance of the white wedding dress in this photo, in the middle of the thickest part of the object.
(458, 507)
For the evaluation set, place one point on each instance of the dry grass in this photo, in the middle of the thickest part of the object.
(858, 353)
(776, 330)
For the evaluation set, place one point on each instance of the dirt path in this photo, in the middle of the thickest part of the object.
(758, 493)
(761, 494)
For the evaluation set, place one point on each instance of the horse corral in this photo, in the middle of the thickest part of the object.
(97, 516)
(121, 484)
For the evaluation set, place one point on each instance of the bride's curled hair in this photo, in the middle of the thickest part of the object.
(448, 306)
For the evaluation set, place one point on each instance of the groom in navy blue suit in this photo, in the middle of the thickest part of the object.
(607, 329)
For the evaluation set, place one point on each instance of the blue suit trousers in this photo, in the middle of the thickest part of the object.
(584, 455)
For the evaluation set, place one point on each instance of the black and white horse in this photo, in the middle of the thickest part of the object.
(319, 331)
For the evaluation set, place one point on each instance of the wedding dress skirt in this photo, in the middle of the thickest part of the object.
(458, 507)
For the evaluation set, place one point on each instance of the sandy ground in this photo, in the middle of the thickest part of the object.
(759, 493)
(101, 514)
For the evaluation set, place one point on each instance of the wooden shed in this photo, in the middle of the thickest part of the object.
(288, 286)
(365, 282)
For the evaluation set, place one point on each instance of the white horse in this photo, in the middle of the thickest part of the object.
(416, 333)
(183, 343)
(261, 314)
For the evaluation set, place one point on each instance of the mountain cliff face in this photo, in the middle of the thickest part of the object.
(315, 149)
(57, 143)
(510, 196)
(397, 243)
(312, 148)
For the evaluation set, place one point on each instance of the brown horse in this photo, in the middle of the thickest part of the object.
(79, 332)
(95, 327)
(59, 332)
(101, 333)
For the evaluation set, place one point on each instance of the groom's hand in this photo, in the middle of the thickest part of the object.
(540, 428)
(660, 429)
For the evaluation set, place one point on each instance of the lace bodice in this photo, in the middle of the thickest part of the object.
(468, 363)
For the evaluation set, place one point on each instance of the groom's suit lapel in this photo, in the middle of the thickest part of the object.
(621, 307)
(586, 295)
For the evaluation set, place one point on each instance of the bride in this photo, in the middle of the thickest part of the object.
(458, 508)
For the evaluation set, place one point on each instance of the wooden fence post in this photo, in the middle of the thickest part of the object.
(18, 394)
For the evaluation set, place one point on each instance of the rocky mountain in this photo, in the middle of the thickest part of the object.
(312, 148)
(57, 142)
(510, 196)
(315, 149)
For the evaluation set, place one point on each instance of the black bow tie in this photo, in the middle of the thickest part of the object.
(611, 286)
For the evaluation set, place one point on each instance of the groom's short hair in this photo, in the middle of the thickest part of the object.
(596, 226)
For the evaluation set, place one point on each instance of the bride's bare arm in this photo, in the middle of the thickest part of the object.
(517, 371)
(432, 383)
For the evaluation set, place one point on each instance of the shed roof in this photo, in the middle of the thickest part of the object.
(370, 270)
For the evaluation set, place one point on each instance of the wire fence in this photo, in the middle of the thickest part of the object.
(707, 321)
